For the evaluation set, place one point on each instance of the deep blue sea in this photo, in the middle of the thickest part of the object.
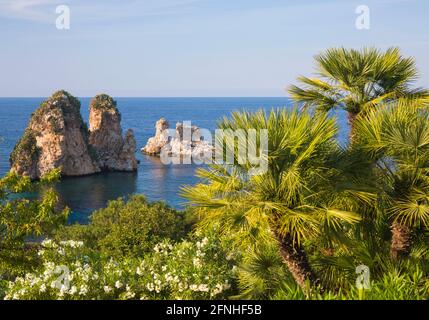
(153, 179)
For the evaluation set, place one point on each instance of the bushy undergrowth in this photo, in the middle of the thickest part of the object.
(128, 228)
(198, 269)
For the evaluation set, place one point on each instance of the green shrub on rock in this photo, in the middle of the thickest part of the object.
(25, 151)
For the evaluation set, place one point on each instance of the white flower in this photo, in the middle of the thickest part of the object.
(48, 243)
(217, 290)
(139, 271)
(83, 290)
(129, 295)
(42, 288)
(107, 289)
(197, 262)
(118, 284)
(72, 244)
(203, 288)
(64, 288)
(73, 290)
(150, 287)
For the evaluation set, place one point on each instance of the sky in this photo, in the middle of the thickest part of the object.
(174, 48)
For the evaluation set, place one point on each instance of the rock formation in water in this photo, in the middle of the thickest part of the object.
(160, 140)
(185, 140)
(57, 137)
(114, 152)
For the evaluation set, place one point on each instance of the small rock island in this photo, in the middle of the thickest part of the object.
(184, 140)
(57, 137)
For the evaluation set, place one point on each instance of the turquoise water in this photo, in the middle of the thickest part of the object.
(153, 179)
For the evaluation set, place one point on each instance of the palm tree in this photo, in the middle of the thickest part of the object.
(397, 139)
(295, 200)
(358, 81)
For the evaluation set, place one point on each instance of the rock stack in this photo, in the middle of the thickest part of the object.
(114, 152)
(57, 137)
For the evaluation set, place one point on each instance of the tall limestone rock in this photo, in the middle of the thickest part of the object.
(56, 137)
(114, 152)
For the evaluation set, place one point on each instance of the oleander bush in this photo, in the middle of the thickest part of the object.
(197, 269)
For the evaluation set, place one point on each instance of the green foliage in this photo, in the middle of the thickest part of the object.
(397, 139)
(185, 270)
(334, 204)
(61, 101)
(295, 197)
(358, 81)
(21, 218)
(262, 274)
(296, 231)
(128, 228)
(25, 151)
(103, 102)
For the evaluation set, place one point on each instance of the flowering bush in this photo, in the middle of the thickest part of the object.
(186, 270)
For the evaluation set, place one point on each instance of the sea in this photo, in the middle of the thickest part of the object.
(158, 182)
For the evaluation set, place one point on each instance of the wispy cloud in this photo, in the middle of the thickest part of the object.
(35, 10)
(44, 10)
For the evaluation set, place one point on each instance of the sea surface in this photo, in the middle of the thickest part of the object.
(153, 179)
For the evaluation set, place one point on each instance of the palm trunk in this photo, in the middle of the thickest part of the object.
(352, 120)
(296, 260)
(401, 240)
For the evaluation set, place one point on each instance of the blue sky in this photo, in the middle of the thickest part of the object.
(191, 47)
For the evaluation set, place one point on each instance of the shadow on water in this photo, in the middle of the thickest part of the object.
(161, 181)
(86, 194)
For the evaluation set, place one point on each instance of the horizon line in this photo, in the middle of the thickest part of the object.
(148, 97)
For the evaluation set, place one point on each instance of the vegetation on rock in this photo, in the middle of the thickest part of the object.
(103, 102)
(25, 152)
